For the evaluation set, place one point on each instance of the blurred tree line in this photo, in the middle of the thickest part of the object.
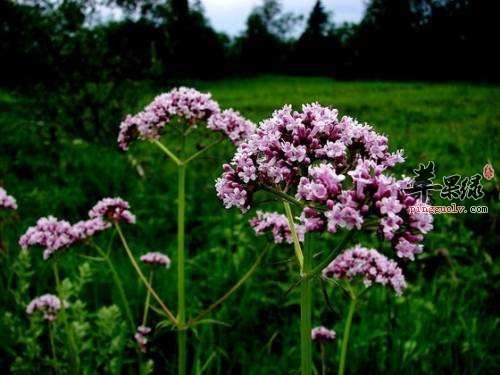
(56, 41)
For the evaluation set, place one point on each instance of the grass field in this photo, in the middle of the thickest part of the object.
(446, 322)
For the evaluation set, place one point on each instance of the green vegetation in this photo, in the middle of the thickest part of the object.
(446, 322)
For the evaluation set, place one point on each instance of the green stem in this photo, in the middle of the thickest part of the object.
(181, 287)
(148, 298)
(295, 238)
(62, 313)
(164, 307)
(203, 150)
(345, 338)
(53, 348)
(119, 286)
(305, 261)
(233, 289)
(305, 317)
(169, 153)
(323, 361)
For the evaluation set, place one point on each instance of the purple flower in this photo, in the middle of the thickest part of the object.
(232, 124)
(186, 103)
(156, 259)
(338, 168)
(87, 228)
(48, 304)
(407, 249)
(369, 264)
(7, 201)
(112, 209)
(50, 233)
(276, 224)
(141, 336)
(322, 334)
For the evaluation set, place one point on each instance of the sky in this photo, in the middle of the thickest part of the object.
(229, 16)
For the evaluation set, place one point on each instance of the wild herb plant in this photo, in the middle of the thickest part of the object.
(336, 171)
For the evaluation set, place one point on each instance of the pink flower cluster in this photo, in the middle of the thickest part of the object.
(7, 201)
(368, 263)
(337, 167)
(231, 123)
(156, 259)
(48, 304)
(322, 334)
(112, 209)
(141, 336)
(53, 234)
(182, 102)
(277, 224)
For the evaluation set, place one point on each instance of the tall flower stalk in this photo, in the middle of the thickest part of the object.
(192, 107)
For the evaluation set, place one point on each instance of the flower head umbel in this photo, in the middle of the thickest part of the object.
(48, 304)
(322, 334)
(7, 202)
(141, 336)
(186, 103)
(337, 167)
(112, 209)
(50, 233)
(231, 123)
(276, 224)
(372, 266)
(87, 228)
(156, 259)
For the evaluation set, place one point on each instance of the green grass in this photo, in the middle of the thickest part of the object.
(445, 323)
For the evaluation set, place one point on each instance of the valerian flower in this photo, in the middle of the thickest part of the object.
(372, 266)
(112, 209)
(48, 304)
(155, 258)
(322, 334)
(50, 233)
(186, 103)
(141, 336)
(277, 225)
(231, 123)
(7, 201)
(337, 168)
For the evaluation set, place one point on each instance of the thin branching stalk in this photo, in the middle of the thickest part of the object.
(118, 284)
(305, 261)
(162, 304)
(169, 153)
(323, 359)
(233, 289)
(202, 151)
(147, 302)
(347, 332)
(69, 331)
(181, 287)
(53, 349)
(295, 237)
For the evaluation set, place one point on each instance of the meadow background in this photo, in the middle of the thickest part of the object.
(58, 156)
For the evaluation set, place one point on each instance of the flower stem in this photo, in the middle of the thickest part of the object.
(164, 307)
(119, 285)
(295, 238)
(323, 359)
(69, 332)
(148, 298)
(305, 317)
(305, 262)
(53, 348)
(169, 153)
(345, 338)
(203, 150)
(181, 288)
(233, 289)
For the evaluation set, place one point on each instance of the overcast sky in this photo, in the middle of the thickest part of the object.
(230, 15)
